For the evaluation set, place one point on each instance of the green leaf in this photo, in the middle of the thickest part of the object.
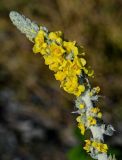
(77, 153)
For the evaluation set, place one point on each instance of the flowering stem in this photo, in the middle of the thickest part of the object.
(66, 60)
(96, 131)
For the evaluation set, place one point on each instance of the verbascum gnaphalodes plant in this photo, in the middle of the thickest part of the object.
(66, 60)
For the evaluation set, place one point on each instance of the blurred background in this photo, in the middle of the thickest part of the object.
(35, 114)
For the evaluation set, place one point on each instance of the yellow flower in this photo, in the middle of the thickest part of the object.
(54, 66)
(95, 110)
(71, 84)
(78, 119)
(64, 65)
(101, 147)
(72, 68)
(59, 33)
(88, 142)
(49, 59)
(76, 66)
(83, 61)
(79, 90)
(87, 145)
(90, 73)
(53, 62)
(91, 121)
(85, 70)
(81, 106)
(82, 128)
(96, 145)
(60, 75)
(99, 115)
(97, 89)
(55, 36)
(70, 47)
(40, 45)
(56, 50)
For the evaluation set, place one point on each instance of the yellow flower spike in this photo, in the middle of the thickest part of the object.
(65, 59)
(66, 70)
(81, 106)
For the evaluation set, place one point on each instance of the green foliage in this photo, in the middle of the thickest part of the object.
(77, 153)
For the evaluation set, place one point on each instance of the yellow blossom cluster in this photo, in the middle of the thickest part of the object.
(64, 58)
(94, 112)
(97, 112)
(91, 121)
(98, 146)
(87, 145)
